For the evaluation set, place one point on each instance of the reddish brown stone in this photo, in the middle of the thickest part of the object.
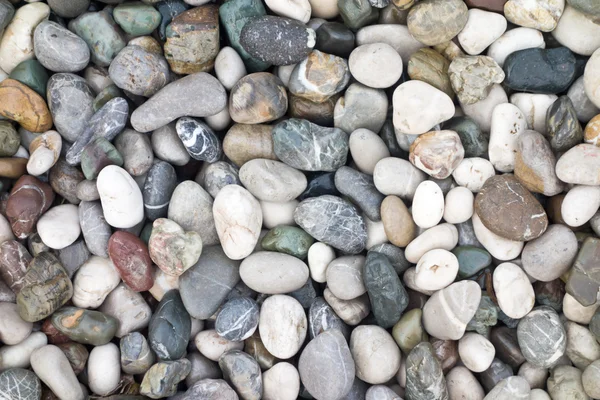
(64, 179)
(28, 200)
(488, 5)
(130, 256)
(14, 260)
(54, 336)
(446, 351)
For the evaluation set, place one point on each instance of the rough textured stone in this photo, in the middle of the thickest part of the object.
(243, 373)
(472, 77)
(433, 22)
(162, 378)
(361, 190)
(70, 102)
(424, 376)
(437, 153)
(258, 98)
(429, 66)
(542, 16)
(564, 130)
(139, 71)
(542, 337)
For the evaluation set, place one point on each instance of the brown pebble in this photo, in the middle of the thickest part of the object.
(317, 113)
(21, 104)
(397, 221)
(446, 351)
(257, 98)
(243, 143)
(488, 5)
(13, 168)
(28, 200)
(64, 179)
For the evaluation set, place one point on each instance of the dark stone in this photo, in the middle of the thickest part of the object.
(584, 281)
(494, 374)
(32, 74)
(485, 317)
(293, 42)
(73, 257)
(159, 185)
(289, 240)
(319, 184)
(424, 376)
(19, 383)
(395, 254)
(335, 38)
(136, 356)
(306, 294)
(387, 295)
(85, 326)
(310, 147)
(317, 113)
(361, 190)
(69, 8)
(540, 70)
(131, 259)
(541, 337)
(64, 179)
(28, 200)
(488, 5)
(472, 138)
(169, 329)
(466, 234)
(243, 374)
(7, 12)
(199, 140)
(238, 319)
(357, 13)
(169, 9)
(99, 153)
(563, 128)
(333, 221)
(321, 318)
(446, 351)
(550, 293)
(507, 347)
(471, 260)
(220, 174)
(255, 347)
(388, 135)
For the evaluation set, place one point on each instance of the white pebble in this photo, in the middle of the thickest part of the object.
(436, 269)
(591, 78)
(295, 9)
(418, 107)
(319, 257)
(428, 205)
(442, 236)
(458, 206)
(59, 227)
(534, 108)
(282, 325)
(499, 247)
(508, 122)
(481, 30)
(376, 355)
(324, 8)
(367, 149)
(580, 204)
(463, 385)
(271, 272)
(220, 120)
(53, 368)
(229, 67)
(281, 382)
(397, 176)
(577, 312)
(121, 197)
(278, 213)
(18, 355)
(94, 280)
(13, 329)
(375, 232)
(345, 277)
(476, 352)
(104, 369)
(481, 112)
(513, 290)
(212, 346)
(577, 31)
(395, 35)
(376, 65)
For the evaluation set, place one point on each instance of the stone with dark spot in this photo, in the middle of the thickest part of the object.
(494, 374)
(335, 38)
(168, 10)
(170, 327)
(319, 184)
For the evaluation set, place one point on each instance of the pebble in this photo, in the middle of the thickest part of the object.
(563, 128)
(282, 381)
(319, 184)
(139, 71)
(319, 77)
(85, 326)
(243, 373)
(23, 105)
(424, 376)
(18, 355)
(136, 18)
(584, 107)
(431, 67)
(171, 248)
(288, 239)
(136, 356)
(476, 352)
(580, 205)
(435, 22)
(505, 340)
(481, 112)
(275, 214)
(590, 79)
(360, 107)
(202, 368)
(576, 165)
(335, 38)
(255, 93)
(408, 331)
(367, 149)
(13, 329)
(96, 232)
(191, 207)
(375, 65)
(58, 49)
(53, 368)
(535, 163)
(565, 383)
(542, 350)
(162, 378)
(357, 14)
(361, 190)
(482, 29)
(589, 380)
(243, 143)
(282, 325)
(19, 383)
(577, 31)
(323, 217)
(319, 256)
(28, 200)
(238, 319)
(229, 67)
(344, 277)
(442, 236)
(211, 389)
(542, 16)
(582, 282)
(45, 151)
(458, 205)
(497, 372)
(121, 197)
(273, 273)
(437, 153)
(127, 307)
(535, 376)
(418, 107)
(461, 382)
(213, 346)
(436, 269)
(576, 312)
(551, 255)
(514, 40)
(271, 180)
(513, 290)
(513, 387)
(376, 355)
(170, 327)
(94, 280)
(103, 369)
(472, 77)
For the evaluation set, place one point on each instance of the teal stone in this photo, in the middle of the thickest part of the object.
(31, 73)
(85, 326)
(289, 240)
(357, 13)
(137, 18)
(9, 139)
(471, 260)
(472, 138)
(107, 94)
(387, 295)
(234, 15)
(97, 155)
(485, 317)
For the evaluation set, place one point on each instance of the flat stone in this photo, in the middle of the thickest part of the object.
(542, 16)
(424, 376)
(535, 164)
(170, 327)
(85, 326)
(540, 70)
(542, 350)
(360, 107)
(434, 22)
(162, 378)
(174, 101)
(58, 49)
(431, 67)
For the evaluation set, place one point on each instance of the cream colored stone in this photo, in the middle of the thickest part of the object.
(212, 346)
(375, 232)
(53, 368)
(473, 172)
(428, 205)
(578, 31)
(476, 352)
(324, 8)
(591, 78)
(104, 369)
(281, 382)
(458, 205)
(229, 67)
(376, 355)
(94, 280)
(580, 204)
(436, 269)
(481, 112)
(18, 355)
(295, 9)
(481, 30)
(59, 227)
(508, 122)
(513, 290)
(121, 197)
(282, 325)
(276, 213)
(534, 108)
(13, 329)
(462, 385)
(270, 272)
(396, 176)
(367, 149)
(538, 14)
(443, 236)
(271, 180)
(376, 65)
(345, 277)
(395, 35)
(499, 247)
(577, 312)
(319, 257)
(515, 40)
(350, 311)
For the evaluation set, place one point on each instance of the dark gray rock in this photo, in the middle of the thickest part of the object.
(542, 337)
(241, 290)
(358, 391)
(387, 295)
(69, 8)
(294, 40)
(466, 234)
(94, 227)
(162, 378)
(59, 49)
(562, 124)
(159, 185)
(205, 285)
(321, 318)
(238, 319)
(73, 256)
(70, 101)
(424, 377)
(136, 355)
(170, 327)
(107, 123)
(326, 366)
(169, 9)
(395, 254)
(218, 175)
(243, 374)
(494, 374)
(7, 12)
(210, 389)
(333, 221)
(139, 71)
(306, 146)
(361, 190)
(199, 140)
(20, 384)
(306, 294)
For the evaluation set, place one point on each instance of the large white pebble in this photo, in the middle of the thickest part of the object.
(295, 9)
(367, 149)
(271, 180)
(212, 346)
(481, 30)
(96, 278)
(104, 369)
(508, 122)
(499, 247)
(345, 277)
(13, 329)
(282, 325)
(436, 269)
(17, 356)
(418, 107)
(229, 67)
(577, 31)
(515, 40)
(513, 290)
(591, 78)
(238, 219)
(17, 42)
(428, 205)
(481, 112)
(397, 176)
(395, 35)
(476, 352)
(580, 204)
(278, 213)
(270, 272)
(458, 206)
(409, 281)
(51, 365)
(577, 312)
(376, 355)
(534, 107)
(376, 65)
(59, 227)
(442, 236)
(281, 382)
(463, 385)
(319, 257)
(121, 197)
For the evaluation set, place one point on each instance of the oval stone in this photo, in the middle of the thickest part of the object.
(273, 273)
(170, 327)
(58, 49)
(542, 350)
(238, 319)
(272, 180)
(282, 325)
(139, 71)
(578, 165)
(121, 197)
(513, 290)
(540, 70)
(319, 77)
(424, 376)
(258, 98)
(85, 326)
(376, 355)
(21, 104)
(435, 22)
(551, 255)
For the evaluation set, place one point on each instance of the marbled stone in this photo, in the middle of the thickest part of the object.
(96, 231)
(550, 293)
(429, 66)
(258, 98)
(137, 18)
(437, 153)
(136, 356)
(543, 15)
(21, 104)
(360, 107)
(535, 164)
(472, 77)
(424, 376)
(139, 71)
(434, 22)
(162, 378)
(564, 130)
(170, 327)
(282, 325)
(545, 349)
(85, 326)
(95, 279)
(28, 200)
(243, 373)
(321, 318)
(44, 151)
(485, 317)
(243, 143)
(238, 319)
(58, 49)
(361, 190)
(159, 185)
(540, 70)
(173, 249)
(319, 76)
(20, 384)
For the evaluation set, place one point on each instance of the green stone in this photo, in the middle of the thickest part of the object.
(485, 317)
(107, 94)
(97, 155)
(9, 139)
(162, 378)
(471, 260)
(85, 326)
(409, 331)
(357, 13)
(137, 18)
(234, 15)
(146, 232)
(32, 74)
(472, 138)
(289, 240)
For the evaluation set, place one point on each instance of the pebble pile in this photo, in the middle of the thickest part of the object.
(300, 199)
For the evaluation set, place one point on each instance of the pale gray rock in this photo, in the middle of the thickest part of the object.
(136, 150)
(238, 319)
(58, 49)
(191, 207)
(243, 373)
(202, 368)
(424, 376)
(321, 318)
(94, 227)
(139, 71)
(512, 388)
(210, 389)
(542, 337)
(218, 175)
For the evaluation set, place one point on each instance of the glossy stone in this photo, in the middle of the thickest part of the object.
(136, 18)
(162, 378)
(199, 140)
(32, 74)
(335, 38)
(584, 282)
(85, 326)
(159, 185)
(424, 377)
(471, 260)
(21, 104)
(170, 326)
(243, 373)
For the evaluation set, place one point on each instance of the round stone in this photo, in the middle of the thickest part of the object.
(579, 204)
(319, 257)
(58, 235)
(551, 255)
(272, 180)
(436, 269)
(161, 180)
(376, 65)
(137, 18)
(44, 149)
(255, 93)
(546, 350)
(565, 382)
(281, 381)
(243, 143)
(361, 190)
(476, 352)
(139, 71)
(376, 355)
(513, 290)
(213, 346)
(367, 148)
(129, 308)
(58, 49)
(534, 375)
(335, 38)
(136, 356)
(437, 153)
(458, 205)
(238, 319)
(104, 373)
(282, 325)
(345, 277)
(442, 236)
(462, 382)
(319, 77)
(19, 383)
(360, 107)
(94, 280)
(409, 332)
(21, 104)
(387, 173)
(199, 140)
(85, 326)
(191, 208)
(434, 22)
(563, 128)
(577, 165)
(273, 273)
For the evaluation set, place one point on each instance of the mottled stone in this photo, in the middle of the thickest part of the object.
(85, 326)
(258, 98)
(433, 22)
(162, 378)
(23, 105)
(139, 71)
(288, 239)
(542, 15)
(429, 66)
(103, 36)
(424, 376)
(540, 70)
(437, 153)
(564, 130)
(485, 317)
(319, 76)
(20, 384)
(535, 164)
(32, 74)
(168, 10)
(360, 189)
(243, 143)
(584, 282)
(136, 18)
(565, 383)
(472, 77)
(505, 340)
(98, 154)
(243, 373)
(511, 388)
(28, 200)
(550, 293)
(58, 49)
(356, 14)
(77, 355)
(64, 179)
(408, 332)
(191, 207)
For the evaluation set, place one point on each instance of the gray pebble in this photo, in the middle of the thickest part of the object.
(424, 377)
(238, 319)
(565, 384)
(243, 374)
(361, 107)
(20, 384)
(139, 71)
(159, 185)
(73, 256)
(542, 337)
(395, 254)
(136, 356)
(361, 190)
(168, 147)
(94, 227)
(220, 174)
(7, 11)
(512, 388)
(306, 294)
(136, 150)
(69, 8)
(381, 392)
(199, 140)
(58, 49)
(87, 191)
(321, 318)
(210, 389)
(191, 207)
(202, 368)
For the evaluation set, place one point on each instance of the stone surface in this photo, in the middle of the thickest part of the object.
(431, 67)
(535, 164)
(159, 185)
(85, 326)
(162, 378)
(577, 165)
(513, 387)
(361, 190)
(564, 130)
(95, 279)
(583, 282)
(238, 319)
(211, 389)
(136, 18)
(319, 77)
(28, 200)
(171, 248)
(257, 98)
(542, 16)
(565, 382)
(437, 153)
(335, 38)
(94, 227)
(282, 325)
(542, 350)
(243, 143)
(19, 383)
(136, 356)
(121, 197)
(540, 70)
(229, 67)
(513, 290)
(103, 369)
(356, 14)
(271, 180)
(129, 308)
(288, 239)
(139, 71)
(58, 49)
(98, 154)
(579, 204)
(376, 355)
(514, 40)
(424, 377)
(482, 29)
(472, 77)
(408, 332)
(32, 74)
(577, 31)
(46, 362)
(434, 22)
(44, 152)
(376, 65)
(23, 105)
(170, 327)
(551, 255)
(273, 273)
(360, 107)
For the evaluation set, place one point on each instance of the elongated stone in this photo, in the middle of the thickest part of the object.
(159, 185)
(85, 326)
(584, 280)
(170, 327)
(540, 70)
(28, 200)
(243, 373)
(361, 190)
(199, 140)
(424, 377)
